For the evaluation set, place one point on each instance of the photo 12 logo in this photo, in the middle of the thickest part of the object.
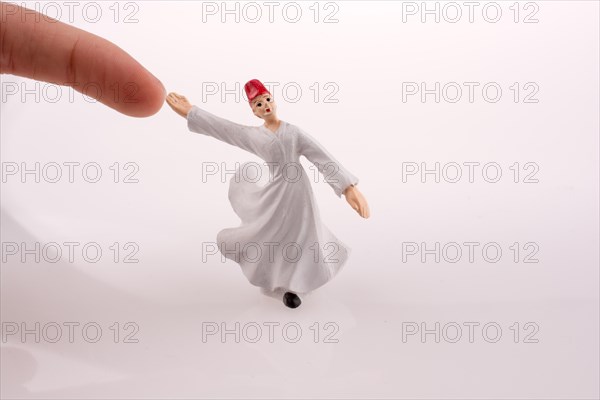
(69, 172)
(91, 92)
(470, 92)
(254, 172)
(253, 12)
(90, 12)
(271, 332)
(454, 332)
(453, 12)
(471, 252)
(70, 252)
(69, 331)
(289, 92)
(255, 252)
(469, 172)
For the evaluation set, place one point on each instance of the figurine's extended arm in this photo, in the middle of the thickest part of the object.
(203, 122)
(339, 178)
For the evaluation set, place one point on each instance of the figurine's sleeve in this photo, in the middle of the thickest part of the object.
(338, 177)
(203, 122)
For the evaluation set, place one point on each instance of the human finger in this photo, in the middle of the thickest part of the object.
(38, 47)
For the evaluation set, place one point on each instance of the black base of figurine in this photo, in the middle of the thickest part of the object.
(291, 300)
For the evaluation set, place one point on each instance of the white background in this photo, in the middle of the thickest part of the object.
(367, 55)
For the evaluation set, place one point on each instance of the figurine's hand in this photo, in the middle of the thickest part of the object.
(179, 104)
(357, 201)
(38, 47)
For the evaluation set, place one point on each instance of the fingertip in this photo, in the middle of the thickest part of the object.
(145, 95)
(152, 100)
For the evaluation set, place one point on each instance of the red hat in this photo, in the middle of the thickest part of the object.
(254, 88)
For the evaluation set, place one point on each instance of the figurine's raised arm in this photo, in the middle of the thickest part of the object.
(203, 122)
(339, 178)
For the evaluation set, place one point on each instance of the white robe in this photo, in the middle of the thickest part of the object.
(281, 243)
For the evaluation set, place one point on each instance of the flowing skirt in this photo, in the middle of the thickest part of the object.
(281, 243)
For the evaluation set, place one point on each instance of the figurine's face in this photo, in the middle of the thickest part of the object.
(264, 106)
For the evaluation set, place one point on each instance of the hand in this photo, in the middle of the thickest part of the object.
(35, 46)
(179, 104)
(357, 201)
